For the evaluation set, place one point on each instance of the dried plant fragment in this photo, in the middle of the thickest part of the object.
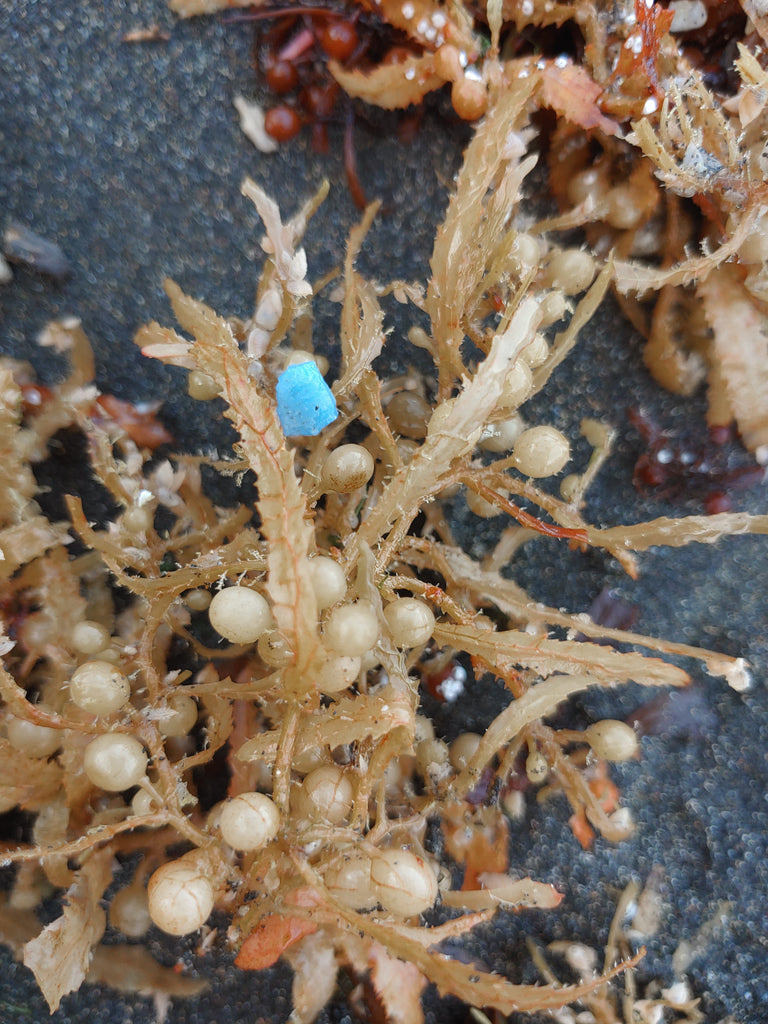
(60, 956)
(390, 86)
(192, 8)
(473, 230)
(740, 353)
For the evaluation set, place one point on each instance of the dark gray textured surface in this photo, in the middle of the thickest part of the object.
(130, 157)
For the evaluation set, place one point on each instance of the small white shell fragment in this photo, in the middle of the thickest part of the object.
(687, 15)
(252, 125)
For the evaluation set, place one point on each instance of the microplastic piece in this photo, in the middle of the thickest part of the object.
(305, 403)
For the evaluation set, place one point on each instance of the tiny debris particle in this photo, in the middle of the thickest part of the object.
(305, 403)
(252, 125)
(21, 245)
(151, 34)
(697, 160)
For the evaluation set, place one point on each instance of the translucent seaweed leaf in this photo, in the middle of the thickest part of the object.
(486, 191)
(61, 954)
(283, 511)
(390, 86)
(740, 350)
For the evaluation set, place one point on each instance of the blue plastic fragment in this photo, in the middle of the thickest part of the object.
(305, 403)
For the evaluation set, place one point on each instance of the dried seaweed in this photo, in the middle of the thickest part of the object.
(302, 695)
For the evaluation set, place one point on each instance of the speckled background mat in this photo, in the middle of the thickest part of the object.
(130, 157)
